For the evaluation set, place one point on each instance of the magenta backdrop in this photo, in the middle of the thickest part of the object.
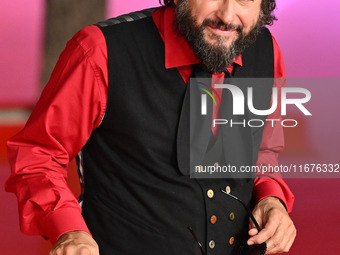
(309, 36)
(21, 40)
(116, 8)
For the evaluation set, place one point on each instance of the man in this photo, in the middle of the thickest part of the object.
(115, 98)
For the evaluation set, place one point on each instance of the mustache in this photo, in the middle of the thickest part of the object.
(219, 24)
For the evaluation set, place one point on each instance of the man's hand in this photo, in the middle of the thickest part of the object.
(278, 229)
(75, 243)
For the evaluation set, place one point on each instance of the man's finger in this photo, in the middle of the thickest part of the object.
(266, 233)
(253, 231)
(279, 242)
(276, 242)
(75, 243)
(84, 251)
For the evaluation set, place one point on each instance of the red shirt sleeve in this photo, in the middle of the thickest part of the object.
(70, 107)
(272, 144)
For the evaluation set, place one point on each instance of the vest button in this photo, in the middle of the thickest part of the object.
(212, 244)
(228, 189)
(213, 219)
(232, 216)
(231, 240)
(210, 193)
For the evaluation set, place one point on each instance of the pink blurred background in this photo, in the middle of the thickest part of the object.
(308, 34)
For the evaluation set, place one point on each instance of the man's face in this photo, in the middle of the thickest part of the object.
(218, 30)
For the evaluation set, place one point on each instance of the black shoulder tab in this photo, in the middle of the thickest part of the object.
(127, 17)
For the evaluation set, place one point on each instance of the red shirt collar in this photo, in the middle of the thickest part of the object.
(178, 53)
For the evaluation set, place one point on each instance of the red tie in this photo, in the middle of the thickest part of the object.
(217, 78)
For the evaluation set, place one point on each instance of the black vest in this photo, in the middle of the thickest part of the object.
(136, 200)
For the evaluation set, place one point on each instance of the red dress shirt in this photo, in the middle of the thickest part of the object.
(72, 105)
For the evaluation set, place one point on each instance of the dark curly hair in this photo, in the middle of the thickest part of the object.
(267, 7)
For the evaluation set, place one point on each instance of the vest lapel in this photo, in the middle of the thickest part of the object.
(194, 129)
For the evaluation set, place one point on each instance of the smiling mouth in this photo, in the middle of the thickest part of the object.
(221, 30)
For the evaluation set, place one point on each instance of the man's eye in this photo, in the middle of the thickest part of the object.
(246, 1)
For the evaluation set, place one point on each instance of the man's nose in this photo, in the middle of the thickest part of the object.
(226, 11)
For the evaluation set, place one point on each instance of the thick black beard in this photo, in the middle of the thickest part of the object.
(214, 58)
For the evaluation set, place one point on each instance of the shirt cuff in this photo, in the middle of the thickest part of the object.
(62, 221)
(272, 188)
